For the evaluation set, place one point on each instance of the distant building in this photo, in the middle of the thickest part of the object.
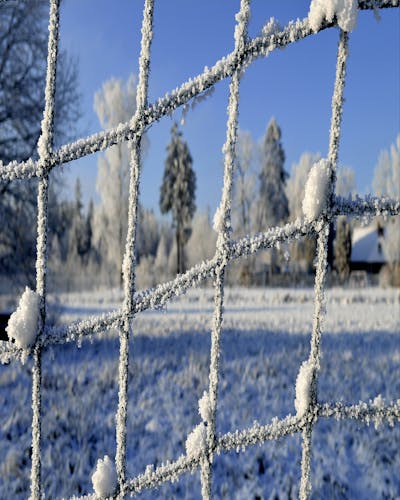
(367, 252)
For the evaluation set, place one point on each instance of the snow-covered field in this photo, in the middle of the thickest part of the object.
(265, 339)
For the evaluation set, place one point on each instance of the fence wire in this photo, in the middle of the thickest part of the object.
(246, 51)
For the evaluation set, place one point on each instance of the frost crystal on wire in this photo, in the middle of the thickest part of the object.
(104, 479)
(316, 190)
(203, 438)
(23, 323)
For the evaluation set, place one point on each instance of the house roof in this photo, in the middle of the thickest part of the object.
(367, 245)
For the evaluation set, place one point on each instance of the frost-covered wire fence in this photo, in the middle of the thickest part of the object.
(320, 207)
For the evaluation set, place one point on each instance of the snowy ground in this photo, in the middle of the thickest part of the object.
(265, 339)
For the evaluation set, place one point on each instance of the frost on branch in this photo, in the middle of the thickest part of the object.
(316, 190)
(196, 441)
(23, 323)
(344, 10)
(104, 479)
(303, 388)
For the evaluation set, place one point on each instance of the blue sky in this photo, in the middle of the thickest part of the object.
(293, 85)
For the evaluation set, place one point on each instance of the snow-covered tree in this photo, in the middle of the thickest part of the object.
(177, 193)
(387, 172)
(296, 183)
(345, 182)
(244, 184)
(303, 251)
(202, 242)
(114, 103)
(148, 233)
(244, 199)
(146, 276)
(342, 248)
(161, 260)
(272, 203)
(273, 207)
(76, 233)
(23, 57)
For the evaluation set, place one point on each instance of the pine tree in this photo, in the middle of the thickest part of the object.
(177, 194)
(342, 248)
(273, 203)
(273, 206)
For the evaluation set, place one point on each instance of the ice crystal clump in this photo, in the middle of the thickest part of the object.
(344, 10)
(104, 479)
(316, 190)
(303, 388)
(204, 407)
(23, 323)
(196, 441)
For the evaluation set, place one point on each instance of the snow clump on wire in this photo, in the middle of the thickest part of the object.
(316, 190)
(22, 326)
(303, 388)
(104, 479)
(196, 441)
(345, 11)
(204, 407)
(218, 220)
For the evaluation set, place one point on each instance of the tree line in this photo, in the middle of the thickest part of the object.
(87, 243)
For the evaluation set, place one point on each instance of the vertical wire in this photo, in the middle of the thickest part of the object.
(322, 254)
(45, 145)
(130, 258)
(224, 229)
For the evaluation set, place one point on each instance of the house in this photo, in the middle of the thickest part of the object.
(367, 252)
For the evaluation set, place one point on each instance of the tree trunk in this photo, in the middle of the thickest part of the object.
(178, 251)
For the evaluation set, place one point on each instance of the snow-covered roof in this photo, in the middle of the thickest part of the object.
(367, 245)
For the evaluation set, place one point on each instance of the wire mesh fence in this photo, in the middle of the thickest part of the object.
(204, 441)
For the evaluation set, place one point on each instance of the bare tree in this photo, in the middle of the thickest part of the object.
(244, 200)
(244, 184)
(23, 56)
